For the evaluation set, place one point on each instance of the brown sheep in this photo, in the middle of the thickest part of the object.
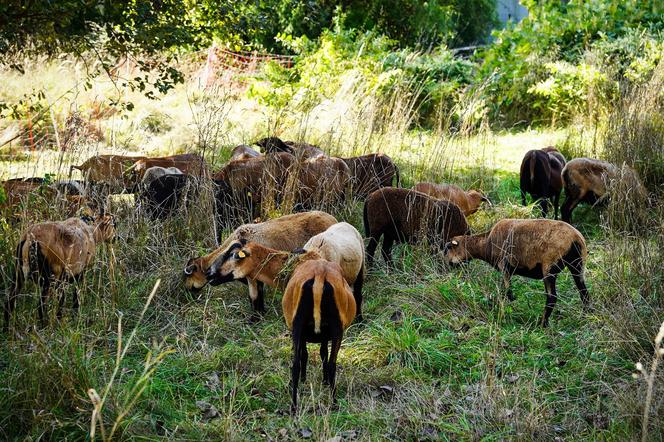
(319, 182)
(188, 163)
(243, 152)
(284, 233)
(468, 201)
(403, 215)
(108, 169)
(67, 194)
(340, 243)
(541, 177)
(534, 248)
(318, 306)
(371, 172)
(301, 150)
(54, 251)
(586, 180)
(248, 181)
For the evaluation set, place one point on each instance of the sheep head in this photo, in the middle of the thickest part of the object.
(235, 263)
(455, 251)
(194, 274)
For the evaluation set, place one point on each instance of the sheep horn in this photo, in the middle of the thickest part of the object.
(188, 271)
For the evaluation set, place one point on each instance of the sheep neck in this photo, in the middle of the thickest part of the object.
(270, 263)
(477, 247)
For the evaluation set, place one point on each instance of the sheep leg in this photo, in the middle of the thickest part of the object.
(556, 204)
(544, 206)
(295, 370)
(523, 197)
(569, 205)
(357, 294)
(304, 358)
(46, 285)
(576, 268)
(61, 301)
(256, 296)
(371, 249)
(332, 366)
(551, 298)
(10, 304)
(323, 358)
(388, 241)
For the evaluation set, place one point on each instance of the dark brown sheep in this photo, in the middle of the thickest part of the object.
(54, 251)
(371, 172)
(403, 215)
(300, 150)
(318, 306)
(468, 201)
(534, 248)
(541, 178)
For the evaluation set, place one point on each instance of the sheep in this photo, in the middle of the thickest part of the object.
(301, 150)
(404, 215)
(468, 201)
(155, 172)
(340, 243)
(371, 172)
(555, 153)
(541, 177)
(243, 152)
(108, 169)
(284, 233)
(51, 252)
(534, 248)
(163, 195)
(319, 182)
(318, 306)
(69, 194)
(243, 184)
(586, 180)
(187, 163)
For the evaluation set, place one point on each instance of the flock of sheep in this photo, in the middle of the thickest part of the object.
(318, 262)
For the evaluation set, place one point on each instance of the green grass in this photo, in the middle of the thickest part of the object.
(440, 355)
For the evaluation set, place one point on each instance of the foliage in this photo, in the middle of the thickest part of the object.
(547, 56)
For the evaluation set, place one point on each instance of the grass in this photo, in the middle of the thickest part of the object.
(440, 356)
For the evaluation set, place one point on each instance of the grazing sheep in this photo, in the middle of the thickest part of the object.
(541, 178)
(555, 153)
(371, 172)
(243, 185)
(340, 243)
(68, 194)
(54, 251)
(301, 150)
(468, 201)
(586, 180)
(155, 172)
(318, 306)
(284, 233)
(319, 182)
(108, 169)
(534, 248)
(187, 163)
(162, 196)
(402, 215)
(243, 152)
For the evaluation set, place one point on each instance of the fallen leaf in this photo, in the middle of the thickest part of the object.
(512, 378)
(283, 433)
(348, 434)
(213, 382)
(334, 439)
(396, 316)
(209, 411)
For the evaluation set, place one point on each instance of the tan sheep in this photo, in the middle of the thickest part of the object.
(468, 201)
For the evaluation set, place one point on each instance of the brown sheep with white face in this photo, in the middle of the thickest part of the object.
(56, 251)
(371, 172)
(468, 201)
(586, 180)
(534, 248)
(318, 306)
(340, 243)
(284, 233)
(403, 215)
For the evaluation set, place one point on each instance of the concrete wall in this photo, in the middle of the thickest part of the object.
(510, 10)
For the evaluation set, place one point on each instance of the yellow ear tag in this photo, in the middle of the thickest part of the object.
(455, 243)
(241, 254)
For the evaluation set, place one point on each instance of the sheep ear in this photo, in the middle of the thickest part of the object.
(241, 254)
(189, 270)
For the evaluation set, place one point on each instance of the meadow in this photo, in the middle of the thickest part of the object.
(440, 355)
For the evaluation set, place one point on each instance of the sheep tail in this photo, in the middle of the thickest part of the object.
(533, 160)
(317, 292)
